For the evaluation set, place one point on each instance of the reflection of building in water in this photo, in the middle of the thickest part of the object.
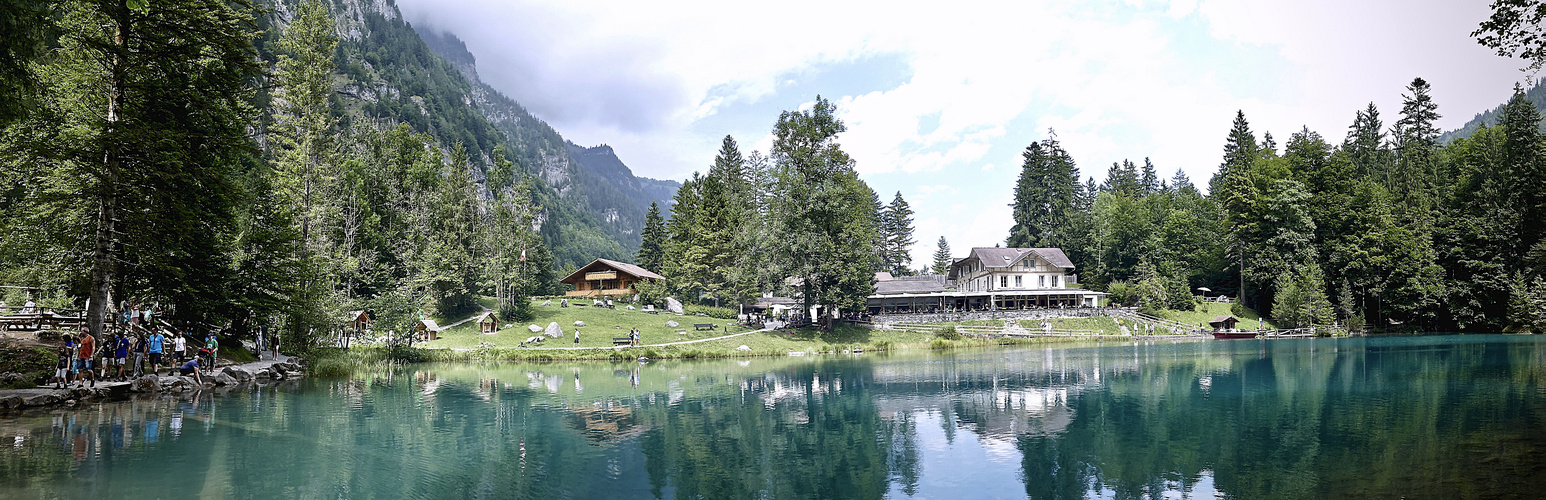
(605, 421)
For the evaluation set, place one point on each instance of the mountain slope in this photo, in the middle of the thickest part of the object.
(1536, 95)
(592, 178)
(391, 75)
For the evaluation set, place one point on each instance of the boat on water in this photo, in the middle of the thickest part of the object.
(1233, 334)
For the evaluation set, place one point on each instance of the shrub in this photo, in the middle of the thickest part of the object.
(710, 311)
(949, 333)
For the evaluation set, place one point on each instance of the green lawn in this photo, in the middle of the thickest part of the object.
(601, 326)
(1212, 310)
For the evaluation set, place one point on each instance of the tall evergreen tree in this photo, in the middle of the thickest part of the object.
(942, 258)
(652, 240)
(148, 124)
(1046, 196)
(897, 228)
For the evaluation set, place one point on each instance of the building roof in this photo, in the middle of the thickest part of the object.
(1004, 257)
(883, 276)
(631, 269)
(1001, 257)
(908, 286)
(1222, 319)
(488, 316)
(429, 324)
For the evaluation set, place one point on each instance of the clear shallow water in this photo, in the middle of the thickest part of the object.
(1419, 417)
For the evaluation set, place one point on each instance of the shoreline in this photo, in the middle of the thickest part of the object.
(227, 378)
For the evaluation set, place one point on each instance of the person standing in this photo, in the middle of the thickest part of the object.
(213, 345)
(140, 345)
(121, 354)
(83, 359)
(62, 369)
(576, 335)
(180, 347)
(154, 349)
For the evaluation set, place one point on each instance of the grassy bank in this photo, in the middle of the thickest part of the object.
(1210, 310)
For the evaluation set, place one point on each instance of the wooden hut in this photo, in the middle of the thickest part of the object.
(488, 323)
(1223, 323)
(357, 321)
(427, 329)
(607, 278)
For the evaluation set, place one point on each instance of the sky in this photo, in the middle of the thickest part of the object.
(941, 98)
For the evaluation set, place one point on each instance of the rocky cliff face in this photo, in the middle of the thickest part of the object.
(392, 73)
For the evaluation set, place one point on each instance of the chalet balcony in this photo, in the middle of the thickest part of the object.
(602, 275)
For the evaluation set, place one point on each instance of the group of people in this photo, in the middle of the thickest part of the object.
(84, 359)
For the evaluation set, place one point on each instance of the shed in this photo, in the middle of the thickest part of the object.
(1223, 323)
(357, 321)
(427, 329)
(488, 323)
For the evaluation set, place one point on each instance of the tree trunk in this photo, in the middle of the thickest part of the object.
(102, 246)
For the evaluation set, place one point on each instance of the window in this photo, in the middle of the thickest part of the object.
(1041, 281)
(1017, 282)
(1003, 282)
(1054, 281)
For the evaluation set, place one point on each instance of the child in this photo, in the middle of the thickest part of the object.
(62, 368)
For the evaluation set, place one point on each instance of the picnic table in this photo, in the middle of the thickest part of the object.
(704, 326)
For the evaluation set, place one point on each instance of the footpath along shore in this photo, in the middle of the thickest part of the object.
(224, 379)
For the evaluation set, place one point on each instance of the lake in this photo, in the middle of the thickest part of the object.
(1416, 417)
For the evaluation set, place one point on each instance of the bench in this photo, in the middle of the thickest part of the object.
(622, 341)
(704, 326)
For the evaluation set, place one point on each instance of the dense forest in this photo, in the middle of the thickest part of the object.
(1389, 228)
(239, 166)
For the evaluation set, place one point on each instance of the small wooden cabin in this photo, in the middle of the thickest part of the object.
(607, 278)
(427, 329)
(357, 321)
(488, 323)
(1223, 323)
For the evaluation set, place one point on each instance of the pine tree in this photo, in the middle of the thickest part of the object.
(1046, 196)
(652, 240)
(897, 226)
(147, 128)
(942, 258)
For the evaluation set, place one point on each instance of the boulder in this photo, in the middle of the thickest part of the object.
(673, 324)
(534, 329)
(649, 307)
(41, 400)
(579, 323)
(597, 302)
(147, 383)
(12, 402)
(743, 347)
(13, 379)
(674, 306)
(553, 330)
(237, 373)
(223, 379)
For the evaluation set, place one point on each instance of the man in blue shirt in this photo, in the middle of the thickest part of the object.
(155, 350)
(121, 353)
(191, 368)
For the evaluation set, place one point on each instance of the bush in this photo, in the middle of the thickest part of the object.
(949, 333)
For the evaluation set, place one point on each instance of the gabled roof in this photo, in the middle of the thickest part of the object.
(487, 315)
(1222, 319)
(634, 270)
(883, 276)
(429, 324)
(1003, 257)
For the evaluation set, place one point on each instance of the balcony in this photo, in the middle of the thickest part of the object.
(602, 275)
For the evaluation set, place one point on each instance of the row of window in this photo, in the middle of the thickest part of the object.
(1041, 281)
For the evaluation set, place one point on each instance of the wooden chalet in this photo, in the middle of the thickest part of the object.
(1223, 323)
(607, 278)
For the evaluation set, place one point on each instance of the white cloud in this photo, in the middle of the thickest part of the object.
(1128, 79)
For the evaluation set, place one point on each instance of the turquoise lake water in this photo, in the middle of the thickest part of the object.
(1415, 417)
